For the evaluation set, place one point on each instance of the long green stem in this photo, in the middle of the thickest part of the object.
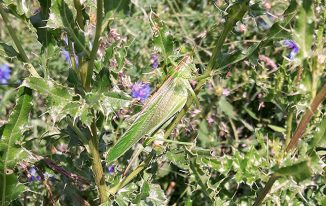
(21, 51)
(231, 21)
(97, 165)
(266, 190)
(13, 34)
(289, 127)
(79, 16)
(99, 18)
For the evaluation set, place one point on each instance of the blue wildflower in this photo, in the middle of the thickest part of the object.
(111, 169)
(140, 91)
(66, 55)
(4, 73)
(293, 46)
(154, 60)
(33, 175)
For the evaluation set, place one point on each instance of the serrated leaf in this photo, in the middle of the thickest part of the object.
(24, 8)
(10, 150)
(155, 196)
(299, 171)
(107, 102)
(178, 159)
(62, 16)
(58, 93)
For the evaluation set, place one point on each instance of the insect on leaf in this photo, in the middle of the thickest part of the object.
(161, 107)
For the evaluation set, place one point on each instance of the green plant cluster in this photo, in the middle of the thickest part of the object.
(92, 111)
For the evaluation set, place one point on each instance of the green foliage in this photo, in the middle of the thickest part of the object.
(83, 137)
(10, 146)
(164, 104)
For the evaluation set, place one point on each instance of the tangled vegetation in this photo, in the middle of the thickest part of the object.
(143, 102)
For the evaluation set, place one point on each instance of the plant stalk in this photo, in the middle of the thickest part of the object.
(265, 190)
(97, 165)
(13, 34)
(99, 18)
(320, 97)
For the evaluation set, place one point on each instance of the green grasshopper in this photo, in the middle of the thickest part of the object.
(169, 99)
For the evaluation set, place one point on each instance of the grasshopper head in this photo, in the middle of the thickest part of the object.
(186, 68)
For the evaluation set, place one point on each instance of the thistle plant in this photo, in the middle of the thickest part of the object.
(162, 102)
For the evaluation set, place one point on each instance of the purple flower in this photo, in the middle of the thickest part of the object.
(292, 46)
(66, 55)
(32, 176)
(154, 60)
(140, 91)
(111, 169)
(4, 73)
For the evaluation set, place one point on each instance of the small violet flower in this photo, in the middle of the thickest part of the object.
(292, 46)
(154, 61)
(140, 91)
(33, 175)
(111, 169)
(4, 73)
(66, 55)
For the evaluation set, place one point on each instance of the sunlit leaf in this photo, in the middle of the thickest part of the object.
(10, 150)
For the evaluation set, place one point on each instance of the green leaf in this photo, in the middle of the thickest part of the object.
(62, 16)
(116, 6)
(61, 99)
(162, 38)
(155, 195)
(58, 93)
(178, 159)
(304, 29)
(235, 12)
(299, 171)
(227, 108)
(10, 188)
(22, 8)
(320, 136)
(10, 150)
(276, 128)
(8, 51)
(107, 102)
